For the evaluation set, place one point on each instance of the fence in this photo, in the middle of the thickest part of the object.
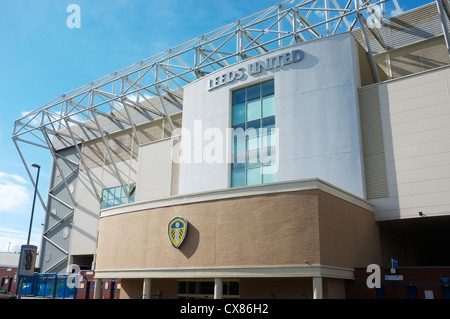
(54, 286)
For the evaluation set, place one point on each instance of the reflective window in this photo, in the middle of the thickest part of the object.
(205, 289)
(253, 93)
(267, 89)
(115, 196)
(254, 176)
(239, 97)
(253, 110)
(238, 177)
(238, 114)
(254, 148)
(268, 106)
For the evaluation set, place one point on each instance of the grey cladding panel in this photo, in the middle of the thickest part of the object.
(373, 145)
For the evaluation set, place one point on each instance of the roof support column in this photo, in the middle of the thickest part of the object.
(146, 288)
(161, 98)
(98, 289)
(55, 159)
(108, 151)
(317, 288)
(373, 65)
(83, 162)
(218, 288)
(280, 26)
(441, 10)
(327, 17)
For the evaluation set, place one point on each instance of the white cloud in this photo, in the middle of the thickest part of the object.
(394, 12)
(14, 194)
(320, 14)
(11, 239)
(35, 121)
(15, 205)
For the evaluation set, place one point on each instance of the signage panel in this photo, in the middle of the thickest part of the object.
(27, 260)
(254, 68)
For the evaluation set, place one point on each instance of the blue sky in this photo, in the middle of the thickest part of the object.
(41, 58)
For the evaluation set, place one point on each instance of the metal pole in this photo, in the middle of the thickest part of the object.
(20, 286)
(34, 201)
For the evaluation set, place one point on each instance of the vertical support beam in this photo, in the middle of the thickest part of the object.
(239, 42)
(446, 6)
(397, 7)
(218, 288)
(83, 162)
(373, 64)
(197, 59)
(157, 85)
(55, 160)
(146, 288)
(133, 126)
(280, 26)
(388, 64)
(294, 27)
(317, 288)
(164, 108)
(197, 55)
(108, 151)
(442, 15)
(98, 289)
(327, 17)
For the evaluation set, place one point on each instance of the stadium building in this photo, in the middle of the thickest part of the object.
(276, 157)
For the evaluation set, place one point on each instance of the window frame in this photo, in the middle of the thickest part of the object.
(255, 143)
(229, 287)
(115, 196)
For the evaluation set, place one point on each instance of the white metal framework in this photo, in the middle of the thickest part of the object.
(129, 91)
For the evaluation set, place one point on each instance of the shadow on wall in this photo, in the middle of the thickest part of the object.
(190, 244)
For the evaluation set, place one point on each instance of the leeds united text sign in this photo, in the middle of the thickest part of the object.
(254, 68)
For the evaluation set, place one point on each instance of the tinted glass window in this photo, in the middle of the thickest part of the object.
(254, 142)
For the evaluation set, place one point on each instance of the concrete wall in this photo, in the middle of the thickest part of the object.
(316, 113)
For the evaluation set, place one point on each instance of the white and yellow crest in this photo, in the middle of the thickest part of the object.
(177, 231)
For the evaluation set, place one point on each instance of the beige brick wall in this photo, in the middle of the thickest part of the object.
(273, 229)
(349, 236)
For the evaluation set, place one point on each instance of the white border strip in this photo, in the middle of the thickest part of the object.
(231, 272)
(282, 187)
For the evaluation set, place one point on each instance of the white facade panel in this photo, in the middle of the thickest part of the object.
(155, 170)
(316, 110)
(416, 128)
(85, 218)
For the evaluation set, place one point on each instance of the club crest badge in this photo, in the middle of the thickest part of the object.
(177, 231)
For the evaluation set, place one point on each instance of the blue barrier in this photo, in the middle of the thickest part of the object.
(48, 285)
